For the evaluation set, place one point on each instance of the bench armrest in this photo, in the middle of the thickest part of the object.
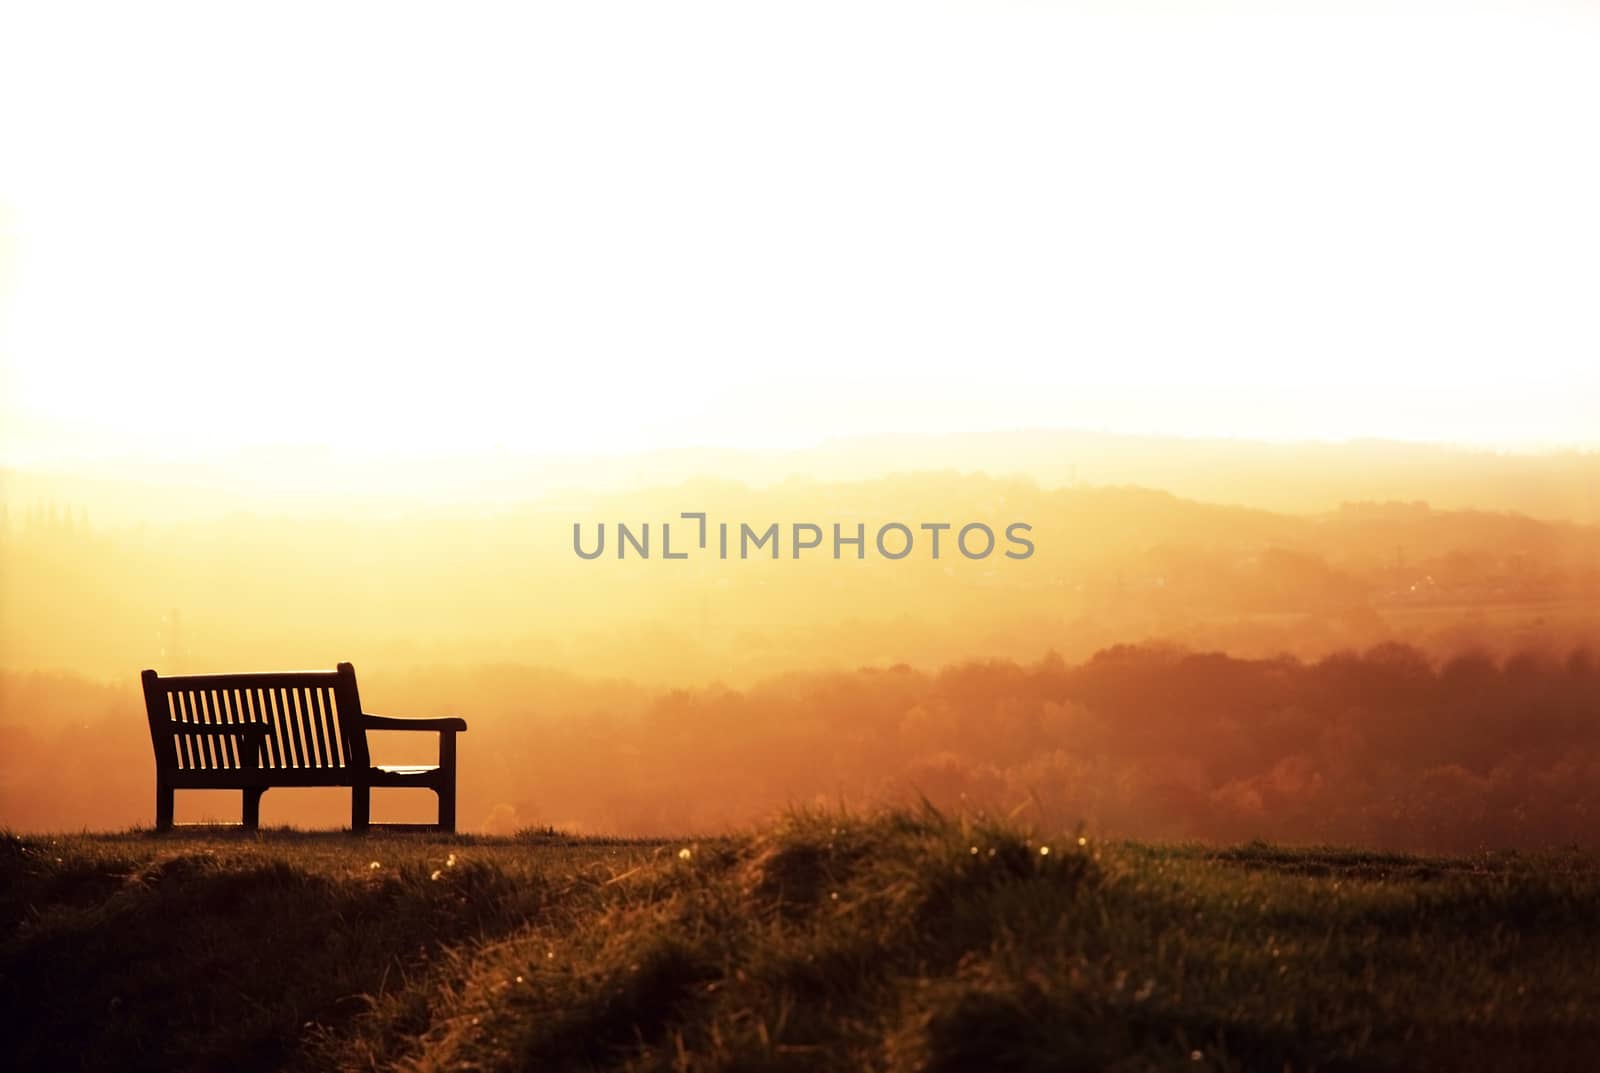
(389, 722)
(447, 726)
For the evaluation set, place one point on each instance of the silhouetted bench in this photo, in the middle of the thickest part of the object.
(252, 732)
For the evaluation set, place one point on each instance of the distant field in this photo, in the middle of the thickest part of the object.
(895, 942)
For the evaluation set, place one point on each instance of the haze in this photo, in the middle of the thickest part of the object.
(322, 325)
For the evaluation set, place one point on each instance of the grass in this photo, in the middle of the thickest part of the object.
(901, 941)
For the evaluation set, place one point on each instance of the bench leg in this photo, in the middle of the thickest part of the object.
(164, 796)
(447, 807)
(252, 807)
(360, 808)
(447, 781)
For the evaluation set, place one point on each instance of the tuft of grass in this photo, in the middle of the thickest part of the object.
(897, 941)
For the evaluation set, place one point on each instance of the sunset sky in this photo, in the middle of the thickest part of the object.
(600, 227)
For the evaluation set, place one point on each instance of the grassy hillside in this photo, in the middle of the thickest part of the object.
(895, 942)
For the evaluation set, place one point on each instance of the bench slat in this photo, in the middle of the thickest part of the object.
(247, 709)
(255, 680)
(308, 722)
(325, 740)
(186, 746)
(288, 752)
(303, 728)
(210, 759)
(215, 752)
(238, 747)
(331, 719)
(305, 698)
(290, 710)
(389, 775)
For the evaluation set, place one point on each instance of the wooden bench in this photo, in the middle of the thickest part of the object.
(252, 732)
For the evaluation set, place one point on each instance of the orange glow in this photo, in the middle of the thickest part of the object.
(620, 693)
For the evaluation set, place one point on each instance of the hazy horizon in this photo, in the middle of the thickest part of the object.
(1297, 477)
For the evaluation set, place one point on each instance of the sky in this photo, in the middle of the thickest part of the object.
(590, 227)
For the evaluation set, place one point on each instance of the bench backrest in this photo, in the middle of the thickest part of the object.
(311, 719)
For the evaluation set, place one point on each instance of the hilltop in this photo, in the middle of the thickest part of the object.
(901, 941)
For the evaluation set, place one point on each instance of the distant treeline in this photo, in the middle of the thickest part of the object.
(1383, 748)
